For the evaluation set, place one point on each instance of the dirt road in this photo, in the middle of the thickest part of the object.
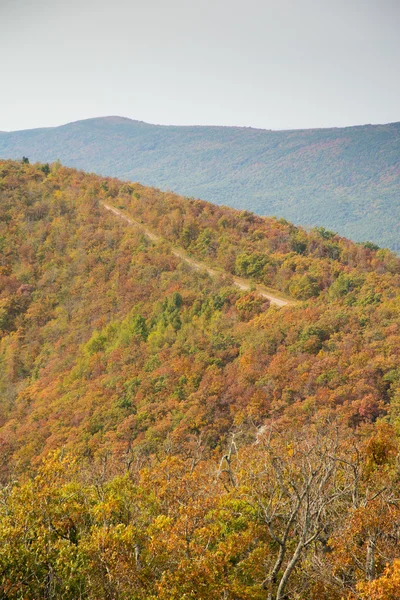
(243, 284)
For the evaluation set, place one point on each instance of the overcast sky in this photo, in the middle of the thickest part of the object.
(274, 64)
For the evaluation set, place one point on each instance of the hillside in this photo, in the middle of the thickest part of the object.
(345, 179)
(165, 434)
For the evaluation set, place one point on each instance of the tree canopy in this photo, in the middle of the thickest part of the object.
(165, 434)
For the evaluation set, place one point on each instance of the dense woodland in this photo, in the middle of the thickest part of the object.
(346, 179)
(166, 435)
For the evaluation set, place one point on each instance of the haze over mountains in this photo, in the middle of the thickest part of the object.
(345, 179)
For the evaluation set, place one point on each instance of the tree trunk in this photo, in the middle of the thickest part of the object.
(370, 558)
(280, 594)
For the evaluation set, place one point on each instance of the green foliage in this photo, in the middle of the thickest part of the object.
(344, 284)
(171, 311)
(250, 265)
(189, 234)
(298, 242)
(369, 245)
(46, 169)
(303, 287)
(325, 233)
(97, 343)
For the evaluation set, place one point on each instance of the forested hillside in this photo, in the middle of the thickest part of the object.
(166, 435)
(345, 179)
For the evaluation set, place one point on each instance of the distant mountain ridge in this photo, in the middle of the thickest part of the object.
(346, 179)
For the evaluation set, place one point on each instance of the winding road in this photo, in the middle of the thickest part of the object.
(243, 284)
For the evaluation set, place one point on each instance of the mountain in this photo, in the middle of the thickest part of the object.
(345, 179)
(168, 429)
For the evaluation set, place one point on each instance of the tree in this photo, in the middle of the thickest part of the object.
(291, 478)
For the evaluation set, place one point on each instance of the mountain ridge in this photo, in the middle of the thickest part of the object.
(120, 119)
(345, 179)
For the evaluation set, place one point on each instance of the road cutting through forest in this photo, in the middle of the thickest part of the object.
(243, 284)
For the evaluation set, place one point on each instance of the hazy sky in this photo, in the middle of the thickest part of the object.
(275, 64)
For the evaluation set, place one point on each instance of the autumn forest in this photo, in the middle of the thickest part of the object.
(167, 435)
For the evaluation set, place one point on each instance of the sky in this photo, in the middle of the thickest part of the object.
(272, 64)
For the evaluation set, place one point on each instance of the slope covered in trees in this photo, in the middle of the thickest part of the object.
(346, 179)
(166, 435)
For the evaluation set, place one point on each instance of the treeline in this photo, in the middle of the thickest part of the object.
(165, 435)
